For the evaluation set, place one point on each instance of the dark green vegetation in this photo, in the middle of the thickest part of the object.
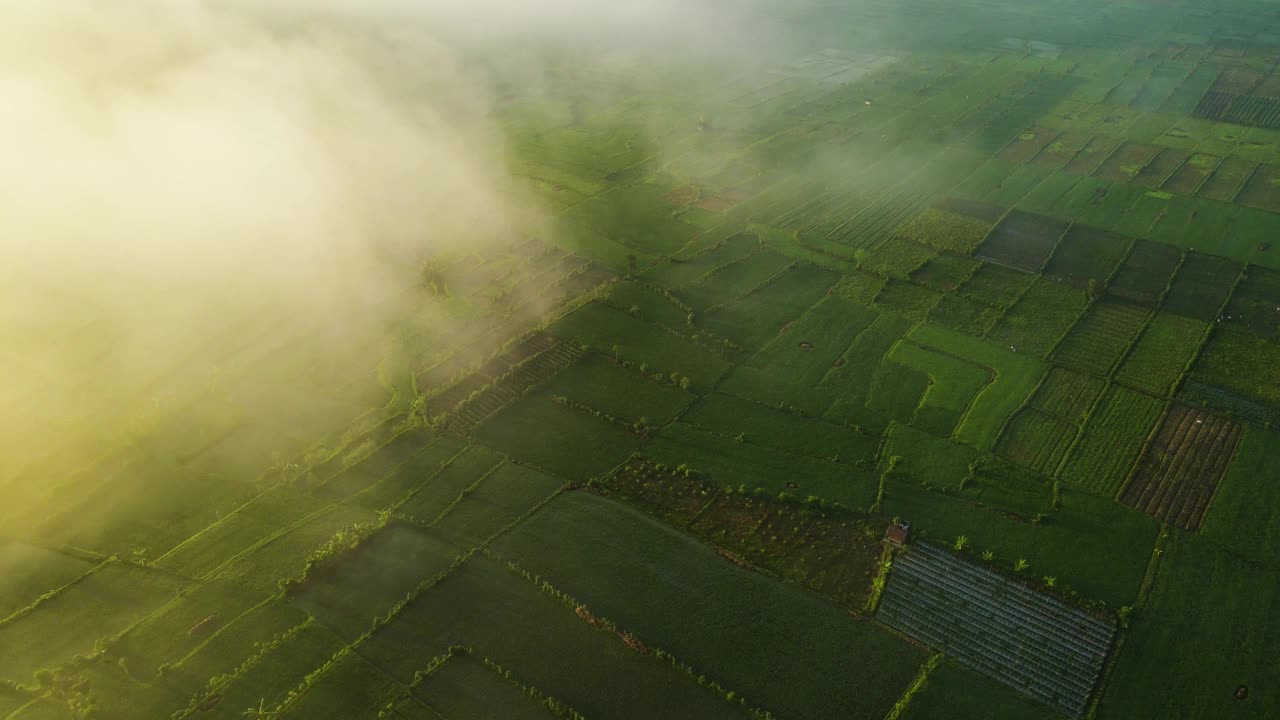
(1008, 279)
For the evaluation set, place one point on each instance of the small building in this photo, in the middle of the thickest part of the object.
(898, 534)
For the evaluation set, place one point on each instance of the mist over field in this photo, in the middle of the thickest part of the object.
(689, 359)
(192, 185)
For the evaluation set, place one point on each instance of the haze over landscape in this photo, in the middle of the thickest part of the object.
(809, 359)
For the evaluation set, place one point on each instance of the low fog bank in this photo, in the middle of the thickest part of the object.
(213, 213)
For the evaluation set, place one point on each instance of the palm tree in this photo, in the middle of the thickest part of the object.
(961, 541)
(1021, 565)
(259, 713)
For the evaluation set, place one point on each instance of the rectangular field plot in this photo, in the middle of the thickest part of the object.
(763, 425)
(984, 212)
(368, 581)
(600, 383)
(1091, 155)
(906, 300)
(502, 497)
(1067, 395)
(1029, 641)
(744, 629)
(1027, 144)
(1254, 307)
(1262, 190)
(182, 625)
(1060, 151)
(959, 313)
(1243, 364)
(756, 318)
(728, 462)
(1160, 168)
(1126, 161)
(1023, 240)
(1098, 341)
(1206, 604)
(945, 230)
(349, 688)
(805, 351)
(563, 440)
(1039, 318)
(1201, 286)
(946, 272)
(487, 607)
(1145, 273)
(996, 286)
(603, 328)
(228, 647)
(279, 670)
(1226, 179)
(101, 605)
(1112, 440)
(1182, 466)
(1188, 178)
(30, 571)
(1037, 440)
(955, 692)
(735, 279)
(926, 459)
(648, 303)
(1245, 514)
(678, 273)
(1158, 359)
(464, 687)
(1086, 254)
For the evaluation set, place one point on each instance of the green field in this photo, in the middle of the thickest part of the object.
(456, 361)
(674, 593)
(1205, 603)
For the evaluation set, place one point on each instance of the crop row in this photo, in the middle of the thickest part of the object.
(1037, 440)
(1112, 440)
(1023, 240)
(1182, 466)
(1028, 641)
(505, 389)
(1099, 340)
(1067, 395)
(1162, 353)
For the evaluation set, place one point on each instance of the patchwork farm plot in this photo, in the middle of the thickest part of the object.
(1041, 647)
(1182, 466)
(931, 379)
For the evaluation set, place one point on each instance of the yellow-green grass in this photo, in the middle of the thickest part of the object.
(100, 605)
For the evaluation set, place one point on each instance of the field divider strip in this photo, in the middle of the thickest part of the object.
(606, 625)
(1090, 412)
(225, 518)
(50, 595)
(1207, 335)
(466, 491)
(320, 512)
(918, 684)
